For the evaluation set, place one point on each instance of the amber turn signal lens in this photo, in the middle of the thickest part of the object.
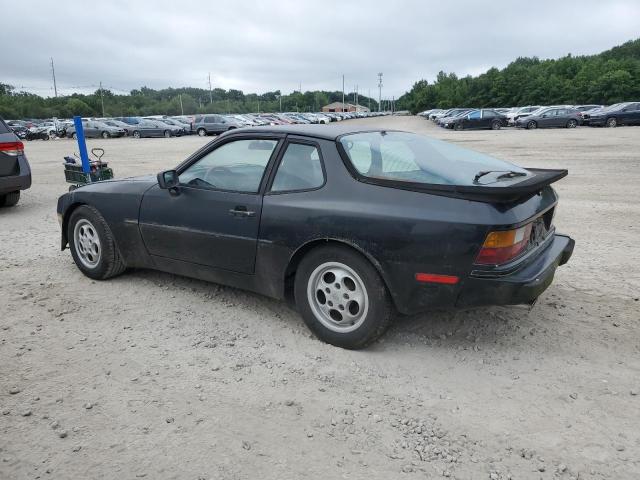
(504, 245)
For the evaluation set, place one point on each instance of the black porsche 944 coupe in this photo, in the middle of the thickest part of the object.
(354, 225)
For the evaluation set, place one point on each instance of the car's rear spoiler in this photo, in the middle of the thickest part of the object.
(482, 193)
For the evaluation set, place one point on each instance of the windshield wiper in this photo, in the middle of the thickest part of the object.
(505, 174)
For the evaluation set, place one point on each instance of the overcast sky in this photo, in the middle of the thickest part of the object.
(258, 46)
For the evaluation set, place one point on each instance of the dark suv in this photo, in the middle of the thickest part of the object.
(15, 174)
(213, 124)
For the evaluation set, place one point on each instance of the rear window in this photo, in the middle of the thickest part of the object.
(408, 157)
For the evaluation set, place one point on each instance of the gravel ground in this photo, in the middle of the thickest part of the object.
(158, 376)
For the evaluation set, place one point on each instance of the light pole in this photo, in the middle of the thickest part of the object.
(379, 91)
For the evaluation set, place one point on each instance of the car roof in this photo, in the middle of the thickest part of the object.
(327, 132)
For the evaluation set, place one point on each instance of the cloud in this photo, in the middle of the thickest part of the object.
(257, 46)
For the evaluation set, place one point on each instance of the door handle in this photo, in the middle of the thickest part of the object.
(241, 211)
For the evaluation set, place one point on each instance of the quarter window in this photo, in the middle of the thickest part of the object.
(237, 166)
(475, 114)
(300, 169)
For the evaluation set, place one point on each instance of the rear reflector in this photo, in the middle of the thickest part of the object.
(435, 278)
(12, 148)
(504, 245)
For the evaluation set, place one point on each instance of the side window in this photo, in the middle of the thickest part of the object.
(488, 114)
(475, 114)
(210, 119)
(300, 169)
(237, 166)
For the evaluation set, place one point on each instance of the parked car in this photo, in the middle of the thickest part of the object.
(454, 113)
(167, 124)
(478, 119)
(150, 128)
(96, 129)
(521, 113)
(15, 173)
(279, 211)
(213, 124)
(627, 113)
(551, 117)
(119, 124)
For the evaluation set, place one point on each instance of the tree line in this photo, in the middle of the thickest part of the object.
(168, 101)
(609, 77)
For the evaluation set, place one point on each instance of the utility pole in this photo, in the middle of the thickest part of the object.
(181, 107)
(343, 93)
(379, 91)
(393, 105)
(101, 99)
(210, 93)
(53, 73)
(369, 95)
(356, 98)
(280, 98)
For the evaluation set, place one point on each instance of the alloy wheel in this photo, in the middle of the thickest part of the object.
(338, 297)
(87, 243)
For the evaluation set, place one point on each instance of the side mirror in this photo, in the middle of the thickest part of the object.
(168, 179)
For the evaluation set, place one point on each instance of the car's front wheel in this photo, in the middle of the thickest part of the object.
(167, 134)
(105, 135)
(532, 125)
(496, 125)
(458, 127)
(92, 244)
(341, 297)
(136, 134)
(10, 199)
(612, 122)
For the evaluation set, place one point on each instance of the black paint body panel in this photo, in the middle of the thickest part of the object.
(401, 232)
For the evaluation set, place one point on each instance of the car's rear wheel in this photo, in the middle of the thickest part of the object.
(572, 124)
(92, 244)
(341, 297)
(10, 199)
(202, 132)
(136, 134)
(167, 134)
(612, 122)
(532, 125)
(105, 135)
(496, 125)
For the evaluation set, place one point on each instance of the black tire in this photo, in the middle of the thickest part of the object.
(496, 125)
(136, 134)
(572, 123)
(109, 263)
(10, 199)
(612, 122)
(105, 135)
(202, 132)
(458, 127)
(532, 125)
(379, 310)
(167, 134)
(73, 136)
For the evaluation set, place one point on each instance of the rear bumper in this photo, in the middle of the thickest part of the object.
(524, 285)
(21, 181)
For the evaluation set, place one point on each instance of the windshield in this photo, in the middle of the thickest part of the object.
(408, 157)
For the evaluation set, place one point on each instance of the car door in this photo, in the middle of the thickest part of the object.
(547, 118)
(472, 120)
(487, 118)
(90, 131)
(630, 115)
(212, 218)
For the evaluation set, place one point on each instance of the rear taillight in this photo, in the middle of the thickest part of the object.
(12, 148)
(504, 245)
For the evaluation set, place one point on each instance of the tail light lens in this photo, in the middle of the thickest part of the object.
(504, 245)
(12, 148)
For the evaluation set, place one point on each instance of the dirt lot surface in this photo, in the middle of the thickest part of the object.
(158, 376)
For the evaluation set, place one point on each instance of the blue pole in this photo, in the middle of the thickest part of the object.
(82, 145)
